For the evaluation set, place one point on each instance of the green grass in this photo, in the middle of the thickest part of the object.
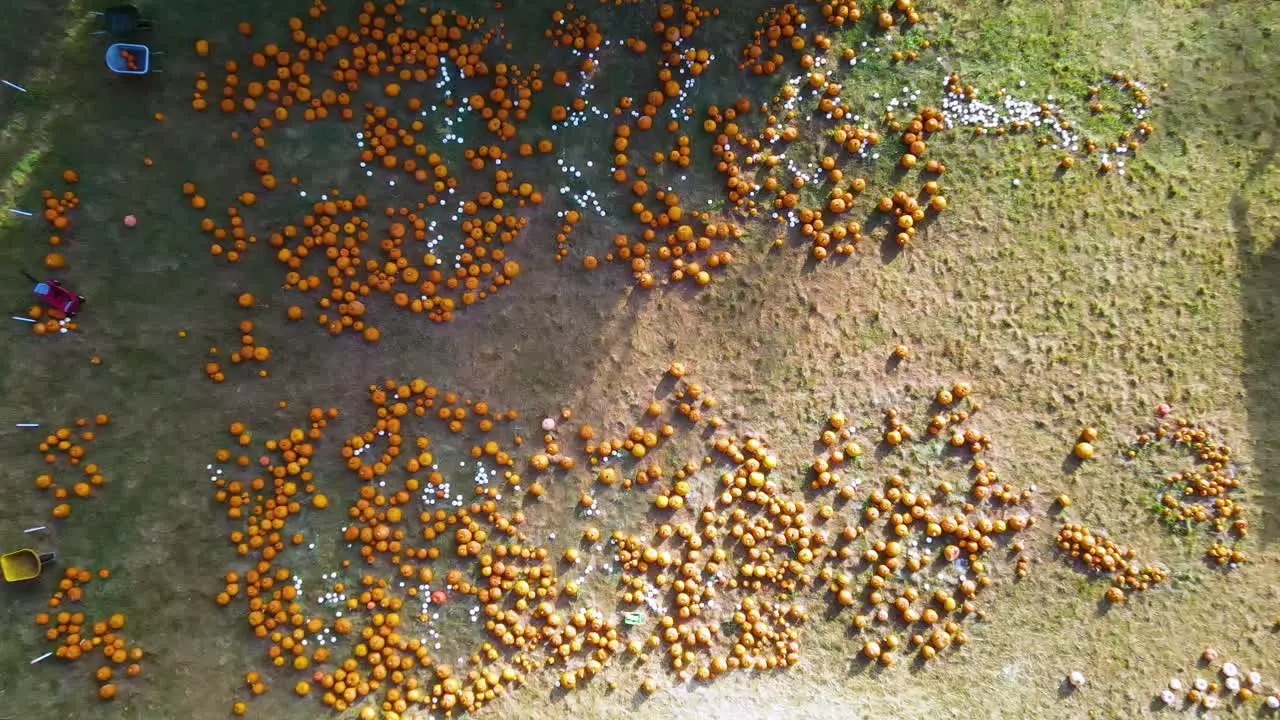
(1070, 299)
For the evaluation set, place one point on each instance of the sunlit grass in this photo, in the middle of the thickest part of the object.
(29, 130)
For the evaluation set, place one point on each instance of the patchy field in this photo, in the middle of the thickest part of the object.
(639, 358)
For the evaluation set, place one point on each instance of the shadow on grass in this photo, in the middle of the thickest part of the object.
(1071, 463)
(1260, 300)
(862, 665)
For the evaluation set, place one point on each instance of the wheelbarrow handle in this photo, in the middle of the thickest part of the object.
(28, 276)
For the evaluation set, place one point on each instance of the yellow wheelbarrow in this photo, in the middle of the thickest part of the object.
(24, 564)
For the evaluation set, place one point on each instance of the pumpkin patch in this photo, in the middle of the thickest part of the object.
(639, 357)
(80, 637)
(1205, 495)
(731, 545)
(1218, 683)
(454, 247)
(68, 445)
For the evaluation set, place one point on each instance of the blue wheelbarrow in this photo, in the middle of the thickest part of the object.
(129, 59)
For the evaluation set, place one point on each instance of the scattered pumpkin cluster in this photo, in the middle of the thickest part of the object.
(434, 77)
(1101, 555)
(754, 162)
(404, 60)
(1083, 449)
(784, 28)
(1051, 125)
(385, 47)
(1207, 494)
(907, 211)
(727, 568)
(1131, 140)
(259, 507)
(69, 444)
(763, 166)
(750, 548)
(579, 33)
(391, 657)
(78, 636)
(250, 351)
(57, 215)
(733, 555)
(686, 251)
(336, 229)
(1219, 685)
(382, 44)
(131, 60)
(49, 321)
(382, 660)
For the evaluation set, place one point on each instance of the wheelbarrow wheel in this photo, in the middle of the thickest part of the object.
(48, 558)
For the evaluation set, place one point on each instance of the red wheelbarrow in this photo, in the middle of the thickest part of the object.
(52, 294)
